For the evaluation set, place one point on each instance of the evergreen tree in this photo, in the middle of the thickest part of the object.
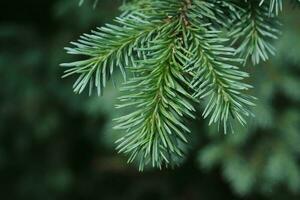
(176, 53)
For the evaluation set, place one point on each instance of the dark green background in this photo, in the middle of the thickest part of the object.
(58, 145)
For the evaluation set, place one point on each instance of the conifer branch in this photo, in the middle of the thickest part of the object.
(275, 6)
(176, 52)
(218, 80)
(216, 76)
(254, 33)
(109, 47)
(156, 133)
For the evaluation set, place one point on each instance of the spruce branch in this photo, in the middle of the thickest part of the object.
(254, 32)
(275, 6)
(216, 75)
(218, 80)
(153, 132)
(176, 52)
(110, 47)
(156, 133)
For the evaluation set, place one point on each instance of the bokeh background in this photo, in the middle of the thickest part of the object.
(56, 145)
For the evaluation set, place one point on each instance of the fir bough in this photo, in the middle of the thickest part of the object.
(175, 53)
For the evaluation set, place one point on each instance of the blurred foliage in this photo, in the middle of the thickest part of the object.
(57, 145)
